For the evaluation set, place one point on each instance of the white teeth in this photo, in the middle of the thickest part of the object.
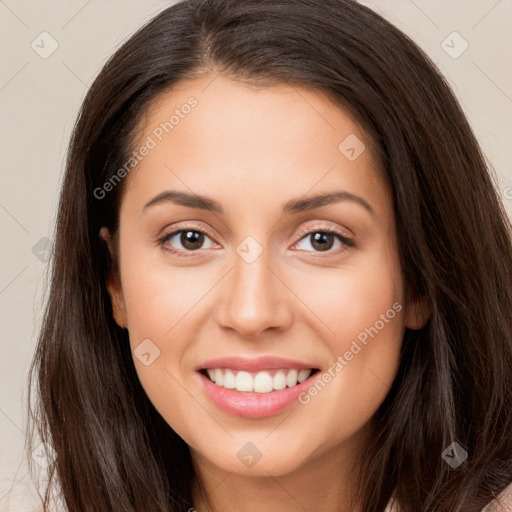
(279, 381)
(219, 377)
(303, 375)
(291, 378)
(263, 383)
(229, 380)
(258, 382)
(244, 381)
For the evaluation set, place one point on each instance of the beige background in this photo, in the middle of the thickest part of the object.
(40, 97)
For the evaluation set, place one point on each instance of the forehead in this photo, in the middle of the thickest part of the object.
(215, 135)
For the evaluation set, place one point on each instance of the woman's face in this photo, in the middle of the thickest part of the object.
(228, 269)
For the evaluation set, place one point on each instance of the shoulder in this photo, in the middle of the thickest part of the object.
(502, 503)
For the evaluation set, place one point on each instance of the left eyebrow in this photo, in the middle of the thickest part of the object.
(301, 205)
(290, 207)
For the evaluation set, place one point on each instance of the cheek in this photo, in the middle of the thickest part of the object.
(161, 304)
(363, 307)
(168, 306)
(360, 310)
(347, 302)
(159, 297)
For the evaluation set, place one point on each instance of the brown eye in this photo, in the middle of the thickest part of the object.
(191, 240)
(182, 242)
(324, 240)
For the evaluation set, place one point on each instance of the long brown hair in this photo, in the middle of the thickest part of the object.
(114, 451)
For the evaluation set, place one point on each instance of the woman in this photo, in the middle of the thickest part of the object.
(282, 275)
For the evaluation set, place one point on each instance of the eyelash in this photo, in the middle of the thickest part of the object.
(302, 234)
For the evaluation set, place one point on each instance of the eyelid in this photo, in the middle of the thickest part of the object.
(326, 227)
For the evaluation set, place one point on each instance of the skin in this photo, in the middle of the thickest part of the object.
(253, 149)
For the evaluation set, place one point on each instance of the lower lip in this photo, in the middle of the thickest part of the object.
(254, 405)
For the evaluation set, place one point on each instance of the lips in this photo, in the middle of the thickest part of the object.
(255, 387)
(255, 364)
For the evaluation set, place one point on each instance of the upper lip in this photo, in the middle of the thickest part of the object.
(254, 364)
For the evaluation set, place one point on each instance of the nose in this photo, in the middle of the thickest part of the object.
(256, 298)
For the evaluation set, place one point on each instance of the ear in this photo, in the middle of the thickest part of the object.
(114, 285)
(417, 312)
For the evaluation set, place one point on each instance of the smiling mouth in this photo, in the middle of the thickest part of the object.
(262, 382)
